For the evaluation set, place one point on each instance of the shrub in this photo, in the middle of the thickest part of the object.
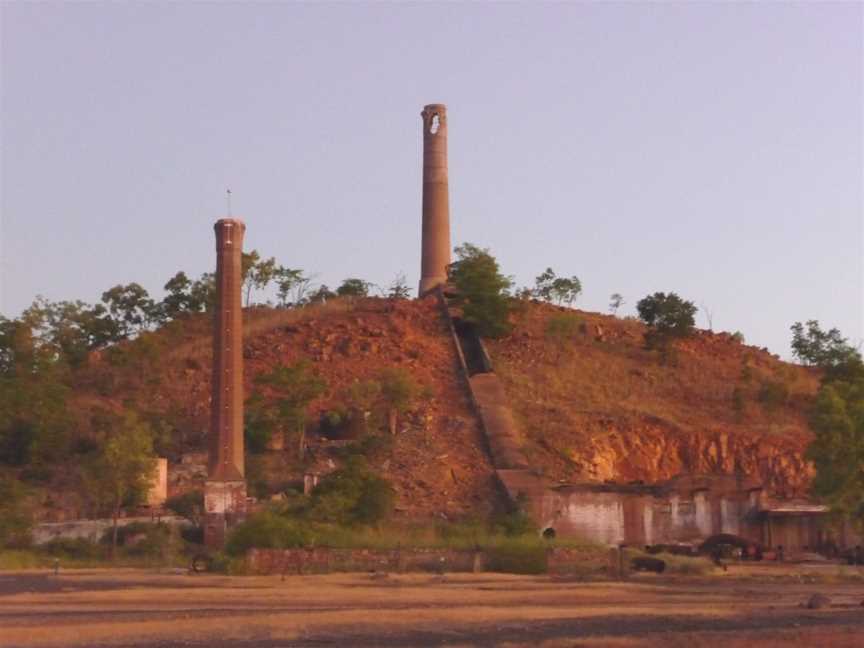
(515, 523)
(561, 330)
(189, 505)
(483, 290)
(371, 445)
(398, 392)
(157, 540)
(738, 403)
(20, 559)
(825, 349)
(351, 495)
(256, 477)
(72, 548)
(193, 534)
(668, 318)
(333, 423)
(266, 530)
(675, 564)
(773, 394)
(517, 556)
(15, 515)
(141, 538)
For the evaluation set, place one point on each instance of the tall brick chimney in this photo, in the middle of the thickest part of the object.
(225, 489)
(435, 252)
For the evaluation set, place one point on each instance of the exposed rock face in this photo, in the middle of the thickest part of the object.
(607, 409)
(650, 453)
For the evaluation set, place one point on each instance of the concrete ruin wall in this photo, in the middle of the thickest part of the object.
(93, 530)
(635, 519)
(158, 491)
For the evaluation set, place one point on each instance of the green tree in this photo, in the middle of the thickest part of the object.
(177, 300)
(399, 289)
(353, 288)
(565, 290)
(130, 307)
(34, 418)
(837, 450)
(266, 530)
(19, 350)
(280, 402)
(352, 495)
(562, 290)
(543, 284)
(288, 280)
(189, 505)
(828, 350)
(616, 301)
(398, 392)
(248, 263)
(122, 471)
(262, 274)
(668, 318)
(363, 398)
(70, 329)
(483, 292)
(773, 394)
(202, 293)
(322, 295)
(16, 515)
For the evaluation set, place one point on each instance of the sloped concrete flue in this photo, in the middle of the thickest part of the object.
(500, 430)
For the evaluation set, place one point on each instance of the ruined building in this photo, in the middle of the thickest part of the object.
(435, 252)
(225, 489)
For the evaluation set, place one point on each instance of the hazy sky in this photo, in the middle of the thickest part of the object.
(715, 150)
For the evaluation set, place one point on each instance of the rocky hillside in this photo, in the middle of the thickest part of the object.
(603, 408)
(437, 463)
(599, 407)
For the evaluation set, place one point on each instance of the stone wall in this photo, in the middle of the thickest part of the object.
(582, 561)
(323, 560)
(93, 530)
(585, 561)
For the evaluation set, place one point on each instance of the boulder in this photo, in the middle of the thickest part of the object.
(817, 602)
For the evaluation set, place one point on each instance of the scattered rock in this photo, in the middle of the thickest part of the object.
(648, 564)
(817, 602)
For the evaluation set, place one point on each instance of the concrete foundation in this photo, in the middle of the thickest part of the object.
(685, 510)
(224, 506)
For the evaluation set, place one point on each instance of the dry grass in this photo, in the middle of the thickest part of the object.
(608, 409)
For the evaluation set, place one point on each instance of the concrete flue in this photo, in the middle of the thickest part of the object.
(225, 489)
(435, 252)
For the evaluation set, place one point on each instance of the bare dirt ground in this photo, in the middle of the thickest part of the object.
(152, 610)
